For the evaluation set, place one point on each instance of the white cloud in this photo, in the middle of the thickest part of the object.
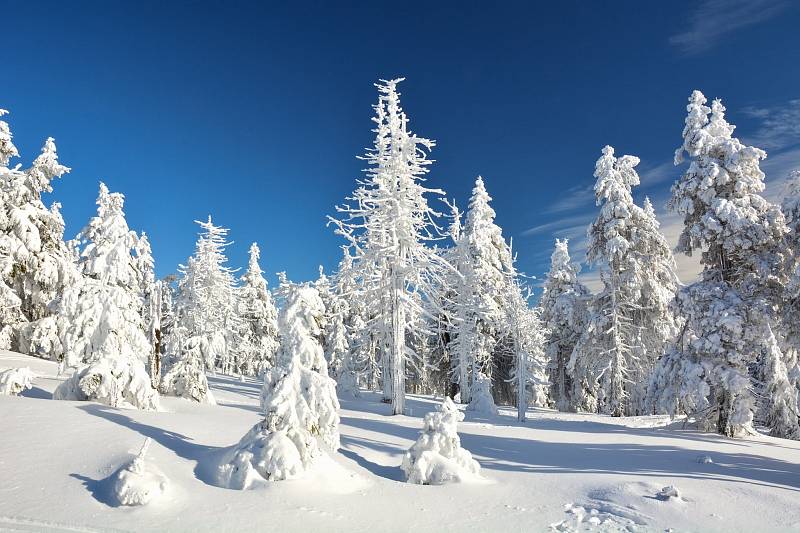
(655, 175)
(713, 19)
(573, 198)
(780, 126)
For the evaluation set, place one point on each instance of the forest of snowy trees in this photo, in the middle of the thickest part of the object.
(427, 299)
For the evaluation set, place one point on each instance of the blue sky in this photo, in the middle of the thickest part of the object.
(255, 112)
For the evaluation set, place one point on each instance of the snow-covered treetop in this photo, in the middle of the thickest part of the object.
(562, 270)
(719, 196)
(609, 237)
(253, 276)
(300, 324)
(46, 167)
(7, 148)
(145, 262)
(109, 243)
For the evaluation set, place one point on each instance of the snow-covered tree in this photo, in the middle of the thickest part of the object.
(349, 349)
(35, 263)
(563, 307)
(100, 316)
(790, 315)
(206, 322)
(483, 259)
(259, 319)
(299, 401)
(780, 393)
(437, 457)
(630, 321)
(711, 373)
(388, 222)
(527, 336)
(15, 380)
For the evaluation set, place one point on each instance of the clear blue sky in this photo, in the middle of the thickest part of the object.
(255, 112)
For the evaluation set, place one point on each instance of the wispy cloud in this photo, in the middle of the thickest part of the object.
(779, 126)
(713, 19)
(558, 227)
(657, 174)
(687, 268)
(777, 167)
(573, 198)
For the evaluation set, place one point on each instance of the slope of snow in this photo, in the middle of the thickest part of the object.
(568, 472)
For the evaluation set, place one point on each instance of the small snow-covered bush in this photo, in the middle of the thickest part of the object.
(138, 482)
(482, 401)
(111, 381)
(15, 380)
(187, 379)
(437, 457)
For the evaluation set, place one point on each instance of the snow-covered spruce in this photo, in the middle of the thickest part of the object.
(258, 344)
(100, 320)
(36, 265)
(15, 380)
(299, 401)
(726, 348)
(353, 356)
(564, 314)
(483, 261)
(390, 221)
(114, 381)
(138, 482)
(437, 457)
(203, 335)
(482, 401)
(527, 336)
(630, 321)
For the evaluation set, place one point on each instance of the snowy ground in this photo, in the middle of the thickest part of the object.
(557, 471)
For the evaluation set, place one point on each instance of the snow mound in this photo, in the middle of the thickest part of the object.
(669, 493)
(138, 482)
(705, 460)
(111, 381)
(437, 457)
(482, 401)
(15, 380)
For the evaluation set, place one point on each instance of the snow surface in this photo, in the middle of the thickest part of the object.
(560, 471)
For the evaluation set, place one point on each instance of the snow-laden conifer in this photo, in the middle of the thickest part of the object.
(206, 321)
(483, 260)
(389, 221)
(259, 317)
(35, 263)
(437, 457)
(564, 314)
(630, 322)
(103, 334)
(712, 372)
(15, 380)
(299, 402)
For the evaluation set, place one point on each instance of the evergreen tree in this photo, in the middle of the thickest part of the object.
(711, 373)
(205, 320)
(437, 457)
(630, 322)
(35, 263)
(389, 222)
(259, 318)
(564, 314)
(299, 401)
(100, 317)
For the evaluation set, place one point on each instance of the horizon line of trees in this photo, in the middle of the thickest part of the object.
(430, 301)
